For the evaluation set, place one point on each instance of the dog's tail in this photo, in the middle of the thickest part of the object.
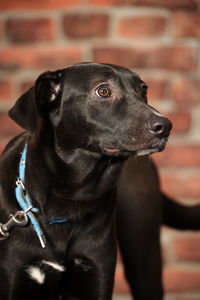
(180, 216)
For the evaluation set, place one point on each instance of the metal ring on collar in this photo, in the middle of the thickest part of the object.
(3, 235)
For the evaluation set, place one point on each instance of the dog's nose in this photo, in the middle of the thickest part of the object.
(159, 126)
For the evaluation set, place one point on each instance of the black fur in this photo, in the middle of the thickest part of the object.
(141, 209)
(77, 144)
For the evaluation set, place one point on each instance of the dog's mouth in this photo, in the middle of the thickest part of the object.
(139, 150)
(158, 146)
(110, 150)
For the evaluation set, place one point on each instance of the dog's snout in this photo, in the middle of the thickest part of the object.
(159, 126)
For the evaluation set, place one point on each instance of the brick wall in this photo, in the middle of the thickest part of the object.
(159, 39)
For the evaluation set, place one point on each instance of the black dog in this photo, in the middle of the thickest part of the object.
(82, 123)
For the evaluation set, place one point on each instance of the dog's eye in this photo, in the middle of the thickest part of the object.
(103, 91)
(144, 90)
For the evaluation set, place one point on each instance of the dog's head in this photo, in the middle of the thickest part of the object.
(99, 107)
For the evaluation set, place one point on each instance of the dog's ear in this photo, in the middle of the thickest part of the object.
(38, 101)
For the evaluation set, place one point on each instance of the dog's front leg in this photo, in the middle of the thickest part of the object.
(90, 271)
(138, 226)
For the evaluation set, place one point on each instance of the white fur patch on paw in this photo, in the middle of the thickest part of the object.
(36, 274)
(54, 265)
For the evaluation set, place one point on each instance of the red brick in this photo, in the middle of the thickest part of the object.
(187, 4)
(1, 30)
(36, 4)
(113, 2)
(142, 26)
(8, 127)
(187, 248)
(174, 58)
(172, 4)
(85, 25)
(181, 185)
(179, 156)
(48, 58)
(3, 143)
(181, 121)
(121, 286)
(119, 257)
(29, 30)
(186, 24)
(185, 91)
(5, 90)
(180, 279)
(25, 86)
(157, 88)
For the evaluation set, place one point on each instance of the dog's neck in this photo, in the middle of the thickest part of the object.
(82, 179)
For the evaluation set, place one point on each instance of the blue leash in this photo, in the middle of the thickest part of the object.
(25, 203)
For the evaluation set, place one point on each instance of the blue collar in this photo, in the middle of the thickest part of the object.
(25, 202)
(58, 220)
